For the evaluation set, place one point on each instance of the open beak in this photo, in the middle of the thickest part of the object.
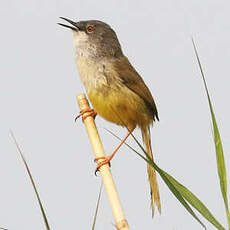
(74, 27)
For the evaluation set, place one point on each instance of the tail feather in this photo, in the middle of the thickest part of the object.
(155, 195)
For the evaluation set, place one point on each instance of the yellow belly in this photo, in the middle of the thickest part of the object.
(121, 106)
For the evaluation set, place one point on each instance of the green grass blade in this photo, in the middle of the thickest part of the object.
(187, 194)
(32, 181)
(180, 190)
(167, 179)
(97, 206)
(218, 145)
(195, 202)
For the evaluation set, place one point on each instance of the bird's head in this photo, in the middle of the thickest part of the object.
(94, 38)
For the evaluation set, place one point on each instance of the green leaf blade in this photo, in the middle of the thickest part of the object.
(221, 168)
(166, 178)
(32, 181)
(195, 202)
(182, 193)
(97, 207)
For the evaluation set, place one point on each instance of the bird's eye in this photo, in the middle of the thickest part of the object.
(90, 29)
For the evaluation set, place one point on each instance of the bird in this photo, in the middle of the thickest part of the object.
(115, 89)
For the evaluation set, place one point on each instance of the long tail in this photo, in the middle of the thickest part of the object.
(155, 195)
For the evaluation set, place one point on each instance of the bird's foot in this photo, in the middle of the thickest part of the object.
(105, 160)
(90, 112)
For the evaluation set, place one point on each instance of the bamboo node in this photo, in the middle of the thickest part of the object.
(122, 225)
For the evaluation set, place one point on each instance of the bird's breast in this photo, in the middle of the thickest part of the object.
(119, 105)
(91, 73)
(110, 97)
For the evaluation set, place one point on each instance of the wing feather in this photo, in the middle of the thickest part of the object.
(134, 82)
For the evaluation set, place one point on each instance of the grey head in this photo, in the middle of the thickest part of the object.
(94, 39)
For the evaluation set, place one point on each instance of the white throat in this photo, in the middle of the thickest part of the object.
(83, 48)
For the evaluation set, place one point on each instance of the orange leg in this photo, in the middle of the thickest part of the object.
(109, 158)
(90, 112)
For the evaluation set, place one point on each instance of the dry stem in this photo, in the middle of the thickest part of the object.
(118, 213)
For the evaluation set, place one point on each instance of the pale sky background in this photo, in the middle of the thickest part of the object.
(38, 85)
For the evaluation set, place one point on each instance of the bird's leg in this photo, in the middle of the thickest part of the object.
(106, 160)
(90, 112)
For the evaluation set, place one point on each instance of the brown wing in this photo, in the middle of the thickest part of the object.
(133, 81)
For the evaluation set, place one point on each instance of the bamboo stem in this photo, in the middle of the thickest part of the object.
(118, 213)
